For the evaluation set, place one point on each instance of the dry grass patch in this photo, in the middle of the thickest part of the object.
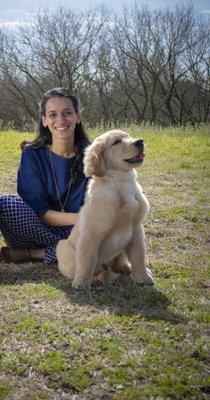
(120, 341)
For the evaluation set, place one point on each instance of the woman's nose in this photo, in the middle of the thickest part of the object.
(60, 117)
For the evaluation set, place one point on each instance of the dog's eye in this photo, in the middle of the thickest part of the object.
(117, 142)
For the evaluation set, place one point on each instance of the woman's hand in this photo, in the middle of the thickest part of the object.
(58, 218)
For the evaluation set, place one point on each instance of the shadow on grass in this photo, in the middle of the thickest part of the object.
(123, 297)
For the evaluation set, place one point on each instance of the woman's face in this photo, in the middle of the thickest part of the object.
(60, 117)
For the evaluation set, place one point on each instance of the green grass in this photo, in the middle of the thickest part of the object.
(122, 342)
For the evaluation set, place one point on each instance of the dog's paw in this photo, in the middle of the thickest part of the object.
(66, 271)
(120, 264)
(124, 269)
(79, 283)
(144, 278)
(100, 278)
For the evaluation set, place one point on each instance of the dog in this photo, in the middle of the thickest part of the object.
(109, 230)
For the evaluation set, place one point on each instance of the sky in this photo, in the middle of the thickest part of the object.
(17, 10)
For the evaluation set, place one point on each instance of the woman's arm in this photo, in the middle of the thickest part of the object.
(58, 218)
(30, 182)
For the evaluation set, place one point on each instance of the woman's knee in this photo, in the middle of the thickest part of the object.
(8, 202)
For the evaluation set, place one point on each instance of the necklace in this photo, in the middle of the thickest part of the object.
(62, 205)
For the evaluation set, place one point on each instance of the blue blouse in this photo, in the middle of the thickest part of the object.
(36, 183)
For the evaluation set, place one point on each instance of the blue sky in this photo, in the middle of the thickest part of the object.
(15, 10)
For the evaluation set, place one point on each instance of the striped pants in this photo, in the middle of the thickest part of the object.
(21, 228)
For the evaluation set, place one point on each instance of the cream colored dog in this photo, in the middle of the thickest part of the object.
(110, 221)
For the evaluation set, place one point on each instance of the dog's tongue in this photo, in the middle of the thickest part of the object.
(142, 154)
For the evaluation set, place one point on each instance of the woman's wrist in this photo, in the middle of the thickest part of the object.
(73, 217)
(58, 218)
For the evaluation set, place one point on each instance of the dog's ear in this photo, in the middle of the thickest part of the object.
(93, 160)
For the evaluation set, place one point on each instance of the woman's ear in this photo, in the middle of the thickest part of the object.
(94, 163)
(79, 117)
(44, 121)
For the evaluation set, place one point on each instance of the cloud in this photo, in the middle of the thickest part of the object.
(13, 18)
(14, 24)
(206, 11)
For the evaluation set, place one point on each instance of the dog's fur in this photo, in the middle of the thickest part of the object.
(110, 221)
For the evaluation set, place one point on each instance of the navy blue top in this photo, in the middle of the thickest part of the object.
(36, 185)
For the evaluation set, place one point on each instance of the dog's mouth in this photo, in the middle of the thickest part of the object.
(138, 159)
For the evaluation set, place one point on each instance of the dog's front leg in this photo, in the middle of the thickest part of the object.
(86, 259)
(135, 251)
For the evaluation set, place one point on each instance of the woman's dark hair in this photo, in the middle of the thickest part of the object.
(44, 137)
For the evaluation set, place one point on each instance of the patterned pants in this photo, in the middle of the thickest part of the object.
(21, 228)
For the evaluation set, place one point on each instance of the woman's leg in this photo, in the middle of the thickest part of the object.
(22, 229)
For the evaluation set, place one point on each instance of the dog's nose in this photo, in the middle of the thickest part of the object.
(139, 143)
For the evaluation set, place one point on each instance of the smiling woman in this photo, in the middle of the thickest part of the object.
(51, 184)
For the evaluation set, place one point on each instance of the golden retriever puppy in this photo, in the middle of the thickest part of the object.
(110, 221)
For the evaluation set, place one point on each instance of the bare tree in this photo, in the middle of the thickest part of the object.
(139, 65)
(54, 50)
(151, 49)
(181, 34)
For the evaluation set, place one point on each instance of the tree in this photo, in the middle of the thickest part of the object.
(139, 65)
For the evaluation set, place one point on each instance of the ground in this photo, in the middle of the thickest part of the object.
(119, 341)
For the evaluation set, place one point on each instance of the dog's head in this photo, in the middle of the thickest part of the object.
(114, 150)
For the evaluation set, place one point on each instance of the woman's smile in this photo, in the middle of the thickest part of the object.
(62, 129)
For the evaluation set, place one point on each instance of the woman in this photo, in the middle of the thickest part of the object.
(51, 184)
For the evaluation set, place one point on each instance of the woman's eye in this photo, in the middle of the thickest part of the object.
(68, 113)
(52, 115)
(116, 142)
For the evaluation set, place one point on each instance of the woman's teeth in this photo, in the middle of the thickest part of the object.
(61, 129)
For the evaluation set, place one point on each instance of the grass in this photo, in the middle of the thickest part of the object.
(120, 342)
